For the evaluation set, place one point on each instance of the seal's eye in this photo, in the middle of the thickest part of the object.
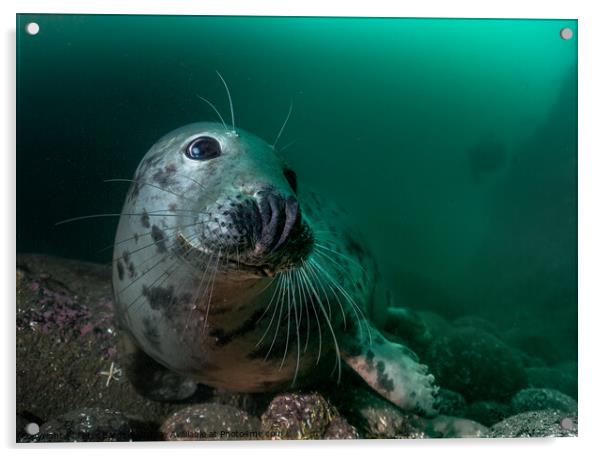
(291, 177)
(203, 148)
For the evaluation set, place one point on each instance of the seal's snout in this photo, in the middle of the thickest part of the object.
(280, 215)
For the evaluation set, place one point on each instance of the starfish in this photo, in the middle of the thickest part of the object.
(113, 373)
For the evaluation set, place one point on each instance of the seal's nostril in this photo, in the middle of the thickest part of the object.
(293, 216)
(279, 216)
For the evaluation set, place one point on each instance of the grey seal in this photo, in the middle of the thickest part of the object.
(229, 272)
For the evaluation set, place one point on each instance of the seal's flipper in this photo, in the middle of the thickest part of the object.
(393, 371)
(149, 378)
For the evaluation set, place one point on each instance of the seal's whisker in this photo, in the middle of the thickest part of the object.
(318, 299)
(344, 271)
(280, 303)
(288, 317)
(150, 245)
(143, 274)
(297, 324)
(142, 235)
(214, 109)
(94, 216)
(334, 337)
(146, 183)
(290, 110)
(319, 282)
(229, 99)
(341, 290)
(303, 302)
(202, 187)
(194, 304)
(303, 276)
(287, 145)
(165, 275)
(349, 259)
(274, 293)
(357, 310)
(210, 288)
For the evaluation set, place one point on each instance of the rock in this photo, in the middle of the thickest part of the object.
(252, 404)
(451, 403)
(407, 325)
(68, 345)
(436, 324)
(340, 429)
(534, 342)
(21, 425)
(537, 399)
(87, 424)
(210, 421)
(548, 423)
(375, 417)
(302, 416)
(554, 378)
(455, 427)
(528, 360)
(488, 412)
(477, 322)
(476, 364)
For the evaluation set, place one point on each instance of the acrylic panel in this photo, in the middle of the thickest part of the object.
(295, 228)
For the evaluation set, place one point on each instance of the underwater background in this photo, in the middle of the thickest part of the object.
(453, 143)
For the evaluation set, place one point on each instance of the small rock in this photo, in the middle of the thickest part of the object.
(375, 417)
(210, 421)
(340, 429)
(20, 425)
(88, 424)
(455, 427)
(253, 404)
(488, 412)
(548, 423)
(537, 399)
(299, 416)
(476, 364)
(554, 378)
(451, 403)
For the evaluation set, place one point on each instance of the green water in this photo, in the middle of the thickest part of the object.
(452, 142)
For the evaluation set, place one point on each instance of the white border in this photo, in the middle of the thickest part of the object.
(590, 203)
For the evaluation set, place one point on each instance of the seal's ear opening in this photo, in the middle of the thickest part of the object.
(291, 177)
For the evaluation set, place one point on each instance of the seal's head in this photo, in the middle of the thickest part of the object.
(235, 199)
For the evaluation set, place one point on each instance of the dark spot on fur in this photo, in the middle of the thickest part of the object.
(354, 247)
(370, 360)
(128, 263)
(165, 177)
(120, 270)
(359, 285)
(131, 270)
(173, 207)
(159, 238)
(382, 378)
(136, 237)
(165, 300)
(144, 219)
(151, 333)
(222, 337)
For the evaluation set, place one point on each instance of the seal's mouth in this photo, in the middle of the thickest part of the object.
(290, 253)
(261, 234)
